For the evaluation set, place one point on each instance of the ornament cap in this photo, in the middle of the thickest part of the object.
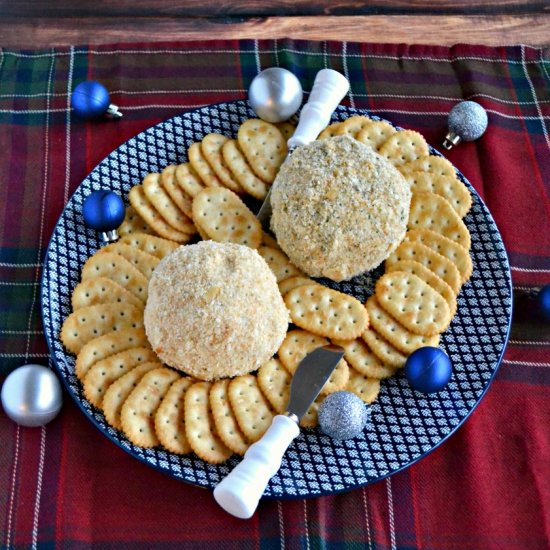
(113, 112)
(451, 139)
(109, 236)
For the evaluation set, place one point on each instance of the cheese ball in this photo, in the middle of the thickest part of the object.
(339, 208)
(214, 310)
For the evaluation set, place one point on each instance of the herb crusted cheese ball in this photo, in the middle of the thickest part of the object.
(339, 208)
(214, 310)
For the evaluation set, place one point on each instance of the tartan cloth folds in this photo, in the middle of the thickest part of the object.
(486, 487)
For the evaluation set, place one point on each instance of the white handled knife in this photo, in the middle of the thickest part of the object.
(329, 88)
(240, 491)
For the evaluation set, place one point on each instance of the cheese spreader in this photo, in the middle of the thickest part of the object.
(329, 88)
(240, 491)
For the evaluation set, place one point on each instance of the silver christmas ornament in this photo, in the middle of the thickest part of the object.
(342, 415)
(275, 94)
(467, 122)
(31, 395)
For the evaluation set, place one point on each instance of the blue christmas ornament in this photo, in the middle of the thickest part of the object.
(428, 369)
(90, 99)
(467, 122)
(543, 303)
(342, 415)
(104, 211)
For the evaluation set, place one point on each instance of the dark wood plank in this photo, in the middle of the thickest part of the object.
(257, 8)
(439, 30)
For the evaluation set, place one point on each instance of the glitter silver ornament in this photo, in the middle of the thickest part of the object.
(275, 94)
(467, 122)
(31, 395)
(342, 415)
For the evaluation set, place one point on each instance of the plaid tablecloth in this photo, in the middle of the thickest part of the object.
(65, 485)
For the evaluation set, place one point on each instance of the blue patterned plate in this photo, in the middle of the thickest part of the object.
(404, 426)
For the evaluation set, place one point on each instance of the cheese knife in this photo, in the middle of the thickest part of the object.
(240, 491)
(329, 88)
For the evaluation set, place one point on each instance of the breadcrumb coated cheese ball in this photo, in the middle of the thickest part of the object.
(339, 208)
(214, 310)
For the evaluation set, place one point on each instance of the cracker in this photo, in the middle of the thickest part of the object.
(353, 125)
(297, 344)
(118, 269)
(146, 210)
(103, 373)
(133, 223)
(451, 250)
(142, 261)
(226, 424)
(404, 146)
(287, 285)
(279, 263)
(108, 344)
(90, 322)
(199, 425)
(188, 179)
(446, 247)
(263, 146)
(156, 246)
(375, 134)
(165, 206)
(274, 381)
(170, 418)
(236, 161)
(137, 415)
(429, 163)
(203, 235)
(431, 211)
(360, 358)
(268, 240)
(117, 393)
(414, 303)
(394, 332)
(286, 128)
(364, 387)
(388, 354)
(201, 167)
(428, 276)
(224, 217)
(438, 264)
(448, 187)
(329, 131)
(326, 312)
(211, 148)
(101, 290)
(252, 410)
(170, 184)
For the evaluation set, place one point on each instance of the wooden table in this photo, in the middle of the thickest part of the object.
(40, 23)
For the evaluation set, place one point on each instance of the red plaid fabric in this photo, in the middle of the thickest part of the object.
(486, 487)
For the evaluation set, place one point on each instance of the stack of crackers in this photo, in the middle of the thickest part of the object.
(413, 303)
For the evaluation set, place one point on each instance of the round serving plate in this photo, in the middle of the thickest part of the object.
(404, 425)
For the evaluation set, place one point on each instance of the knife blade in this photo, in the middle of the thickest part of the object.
(240, 491)
(311, 375)
(329, 88)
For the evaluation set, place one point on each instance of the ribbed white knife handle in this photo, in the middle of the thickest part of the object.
(329, 89)
(240, 491)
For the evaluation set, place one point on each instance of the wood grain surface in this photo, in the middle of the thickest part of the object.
(258, 8)
(47, 23)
